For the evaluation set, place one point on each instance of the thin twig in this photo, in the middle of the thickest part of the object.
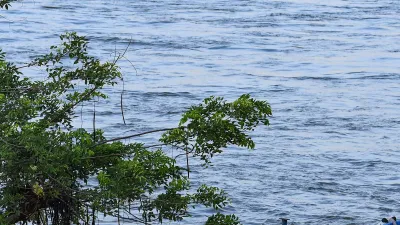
(123, 54)
(134, 135)
(103, 156)
(10, 21)
(152, 146)
(131, 64)
(94, 119)
(187, 156)
(122, 106)
(116, 59)
(185, 153)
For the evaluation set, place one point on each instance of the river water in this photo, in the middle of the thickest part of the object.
(330, 70)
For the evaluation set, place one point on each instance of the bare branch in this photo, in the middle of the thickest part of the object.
(134, 135)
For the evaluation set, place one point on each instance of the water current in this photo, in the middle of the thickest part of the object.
(330, 70)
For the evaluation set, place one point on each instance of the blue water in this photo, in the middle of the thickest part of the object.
(330, 70)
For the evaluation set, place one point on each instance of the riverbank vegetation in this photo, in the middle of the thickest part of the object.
(54, 173)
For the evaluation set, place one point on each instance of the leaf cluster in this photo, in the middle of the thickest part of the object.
(5, 4)
(207, 128)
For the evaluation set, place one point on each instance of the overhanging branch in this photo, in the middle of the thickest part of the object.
(133, 135)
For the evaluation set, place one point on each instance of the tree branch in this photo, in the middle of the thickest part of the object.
(134, 135)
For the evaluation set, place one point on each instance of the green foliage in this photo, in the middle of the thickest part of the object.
(221, 219)
(211, 126)
(211, 197)
(46, 163)
(5, 4)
